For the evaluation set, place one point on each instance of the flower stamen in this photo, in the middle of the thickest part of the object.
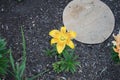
(62, 38)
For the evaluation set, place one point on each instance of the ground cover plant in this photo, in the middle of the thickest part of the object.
(116, 48)
(18, 68)
(3, 58)
(64, 49)
(7, 60)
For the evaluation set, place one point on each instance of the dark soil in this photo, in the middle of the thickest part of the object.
(38, 17)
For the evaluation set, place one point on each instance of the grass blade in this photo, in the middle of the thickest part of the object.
(23, 64)
(23, 43)
(22, 68)
(12, 60)
(40, 74)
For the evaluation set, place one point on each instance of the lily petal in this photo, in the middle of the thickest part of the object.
(117, 37)
(60, 47)
(115, 50)
(63, 29)
(70, 44)
(119, 54)
(118, 46)
(54, 40)
(71, 34)
(54, 33)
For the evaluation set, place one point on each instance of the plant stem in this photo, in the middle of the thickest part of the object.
(40, 74)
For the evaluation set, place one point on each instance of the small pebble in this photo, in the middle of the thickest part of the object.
(2, 26)
(49, 72)
(47, 65)
(80, 71)
(6, 27)
(62, 78)
(33, 25)
(33, 21)
(2, 9)
(30, 17)
(108, 44)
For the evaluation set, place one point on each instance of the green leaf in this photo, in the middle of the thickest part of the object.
(36, 76)
(23, 43)
(50, 52)
(22, 68)
(23, 65)
(115, 56)
(3, 57)
(68, 62)
(2, 70)
(17, 72)
(12, 61)
(3, 65)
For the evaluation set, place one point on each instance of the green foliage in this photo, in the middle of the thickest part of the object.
(67, 62)
(19, 68)
(51, 52)
(3, 57)
(40, 74)
(115, 56)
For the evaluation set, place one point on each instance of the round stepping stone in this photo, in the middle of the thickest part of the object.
(92, 20)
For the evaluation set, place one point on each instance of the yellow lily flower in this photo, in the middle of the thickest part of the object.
(116, 43)
(62, 38)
